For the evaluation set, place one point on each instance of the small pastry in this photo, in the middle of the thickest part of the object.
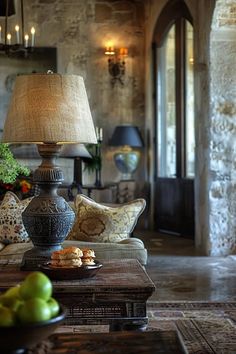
(88, 261)
(87, 252)
(67, 253)
(66, 263)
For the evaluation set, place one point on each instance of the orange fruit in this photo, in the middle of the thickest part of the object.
(36, 284)
(34, 310)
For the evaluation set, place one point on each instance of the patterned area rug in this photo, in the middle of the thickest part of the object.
(203, 327)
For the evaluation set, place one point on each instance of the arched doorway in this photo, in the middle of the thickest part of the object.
(174, 120)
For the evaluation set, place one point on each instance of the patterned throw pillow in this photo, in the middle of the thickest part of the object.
(99, 223)
(11, 225)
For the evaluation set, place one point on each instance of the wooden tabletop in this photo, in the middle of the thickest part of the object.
(122, 275)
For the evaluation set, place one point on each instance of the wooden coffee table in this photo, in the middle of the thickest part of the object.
(115, 297)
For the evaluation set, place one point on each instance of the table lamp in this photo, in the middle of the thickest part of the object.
(126, 160)
(80, 154)
(48, 110)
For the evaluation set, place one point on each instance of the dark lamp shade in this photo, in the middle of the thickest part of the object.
(25, 151)
(30, 151)
(75, 150)
(126, 135)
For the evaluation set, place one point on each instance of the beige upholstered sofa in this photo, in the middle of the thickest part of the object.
(127, 249)
(110, 236)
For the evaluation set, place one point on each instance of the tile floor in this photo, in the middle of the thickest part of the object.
(180, 274)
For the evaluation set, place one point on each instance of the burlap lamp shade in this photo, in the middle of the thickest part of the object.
(48, 110)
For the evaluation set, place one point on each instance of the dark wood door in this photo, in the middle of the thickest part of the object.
(174, 210)
(174, 128)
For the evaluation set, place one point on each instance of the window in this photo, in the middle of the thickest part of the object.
(174, 98)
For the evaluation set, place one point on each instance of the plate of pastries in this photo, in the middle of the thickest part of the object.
(71, 263)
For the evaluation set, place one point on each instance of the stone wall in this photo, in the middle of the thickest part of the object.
(80, 31)
(222, 184)
(202, 24)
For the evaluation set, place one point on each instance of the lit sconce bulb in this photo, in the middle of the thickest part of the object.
(26, 40)
(9, 38)
(110, 51)
(17, 29)
(123, 52)
(0, 34)
(33, 36)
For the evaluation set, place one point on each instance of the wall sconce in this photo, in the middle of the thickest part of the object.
(116, 64)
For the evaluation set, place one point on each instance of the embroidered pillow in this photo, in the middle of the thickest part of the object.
(11, 225)
(95, 222)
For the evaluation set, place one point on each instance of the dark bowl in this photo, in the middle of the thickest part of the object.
(83, 272)
(17, 339)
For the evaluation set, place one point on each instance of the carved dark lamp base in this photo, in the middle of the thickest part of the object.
(48, 218)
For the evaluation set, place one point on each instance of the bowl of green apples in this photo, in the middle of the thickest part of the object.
(28, 313)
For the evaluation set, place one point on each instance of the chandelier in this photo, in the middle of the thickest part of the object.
(14, 40)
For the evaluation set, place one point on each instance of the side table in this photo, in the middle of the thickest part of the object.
(126, 191)
(106, 186)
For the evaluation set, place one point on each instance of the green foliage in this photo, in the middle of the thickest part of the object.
(10, 168)
(95, 163)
